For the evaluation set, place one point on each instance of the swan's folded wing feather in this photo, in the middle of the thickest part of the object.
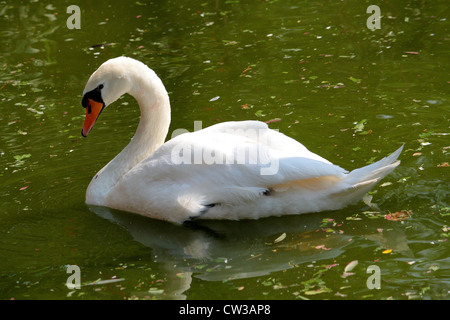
(233, 151)
(221, 165)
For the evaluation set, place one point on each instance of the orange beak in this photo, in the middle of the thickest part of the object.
(93, 110)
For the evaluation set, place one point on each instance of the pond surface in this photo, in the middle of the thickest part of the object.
(311, 69)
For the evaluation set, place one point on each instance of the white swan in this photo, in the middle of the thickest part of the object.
(231, 170)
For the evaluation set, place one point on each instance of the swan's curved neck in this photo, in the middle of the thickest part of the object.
(153, 100)
(154, 105)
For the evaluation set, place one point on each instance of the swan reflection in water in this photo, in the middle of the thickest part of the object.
(229, 250)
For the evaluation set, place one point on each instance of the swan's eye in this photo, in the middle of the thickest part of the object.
(100, 87)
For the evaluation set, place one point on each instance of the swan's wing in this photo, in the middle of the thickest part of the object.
(232, 162)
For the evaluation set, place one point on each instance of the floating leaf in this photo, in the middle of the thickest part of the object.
(280, 238)
(267, 283)
(229, 43)
(21, 157)
(100, 281)
(273, 120)
(399, 215)
(318, 291)
(433, 267)
(259, 113)
(355, 80)
(360, 125)
(387, 251)
(350, 266)
(248, 68)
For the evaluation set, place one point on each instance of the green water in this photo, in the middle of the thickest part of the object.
(348, 93)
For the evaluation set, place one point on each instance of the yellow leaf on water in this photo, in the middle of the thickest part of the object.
(387, 251)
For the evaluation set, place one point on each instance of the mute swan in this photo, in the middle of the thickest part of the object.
(231, 170)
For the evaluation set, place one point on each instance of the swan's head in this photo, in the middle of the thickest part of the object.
(107, 84)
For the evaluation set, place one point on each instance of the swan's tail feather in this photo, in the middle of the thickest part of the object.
(362, 180)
